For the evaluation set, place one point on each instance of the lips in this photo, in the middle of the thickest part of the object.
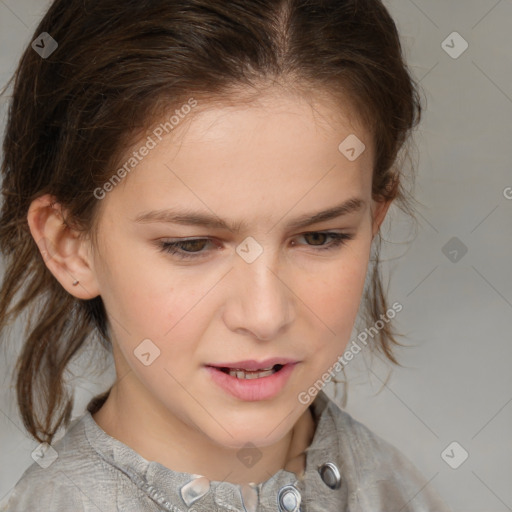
(250, 385)
(252, 365)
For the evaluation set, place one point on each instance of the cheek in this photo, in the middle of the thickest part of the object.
(334, 297)
(138, 289)
(335, 294)
(163, 309)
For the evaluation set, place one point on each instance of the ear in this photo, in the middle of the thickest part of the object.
(67, 255)
(379, 214)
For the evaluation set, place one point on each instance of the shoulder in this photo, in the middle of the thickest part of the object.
(63, 476)
(376, 473)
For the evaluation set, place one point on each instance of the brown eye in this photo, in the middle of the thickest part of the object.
(339, 239)
(185, 248)
(315, 235)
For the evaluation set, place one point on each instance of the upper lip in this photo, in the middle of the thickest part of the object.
(251, 364)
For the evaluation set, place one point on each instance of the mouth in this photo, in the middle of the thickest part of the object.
(252, 369)
(241, 373)
(252, 380)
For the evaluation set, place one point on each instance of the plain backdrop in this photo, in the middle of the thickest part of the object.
(456, 383)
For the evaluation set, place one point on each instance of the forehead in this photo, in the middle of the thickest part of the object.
(251, 158)
(301, 113)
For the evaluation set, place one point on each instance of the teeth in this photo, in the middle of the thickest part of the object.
(258, 374)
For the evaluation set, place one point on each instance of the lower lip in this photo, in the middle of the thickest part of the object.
(252, 390)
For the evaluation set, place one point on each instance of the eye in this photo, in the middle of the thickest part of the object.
(186, 249)
(182, 249)
(338, 239)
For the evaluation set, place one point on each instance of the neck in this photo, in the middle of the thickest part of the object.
(181, 448)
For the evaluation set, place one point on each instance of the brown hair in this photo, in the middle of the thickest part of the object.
(118, 67)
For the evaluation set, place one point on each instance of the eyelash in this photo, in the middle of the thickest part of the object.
(175, 248)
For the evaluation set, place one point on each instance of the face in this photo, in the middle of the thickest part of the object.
(253, 284)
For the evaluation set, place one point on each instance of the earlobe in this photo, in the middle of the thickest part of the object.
(63, 250)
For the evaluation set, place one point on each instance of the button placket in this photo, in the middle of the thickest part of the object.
(228, 496)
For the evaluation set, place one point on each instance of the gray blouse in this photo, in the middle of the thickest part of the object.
(348, 469)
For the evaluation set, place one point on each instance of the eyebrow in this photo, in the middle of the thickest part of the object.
(191, 218)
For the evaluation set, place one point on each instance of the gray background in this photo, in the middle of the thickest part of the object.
(456, 384)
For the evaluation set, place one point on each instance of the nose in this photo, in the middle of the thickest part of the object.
(261, 301)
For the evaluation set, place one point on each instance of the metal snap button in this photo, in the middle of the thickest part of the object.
(289, 499)
(330, 475)
(195, 489)
(250, 497)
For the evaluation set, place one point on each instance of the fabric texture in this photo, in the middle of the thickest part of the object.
(94, 472)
